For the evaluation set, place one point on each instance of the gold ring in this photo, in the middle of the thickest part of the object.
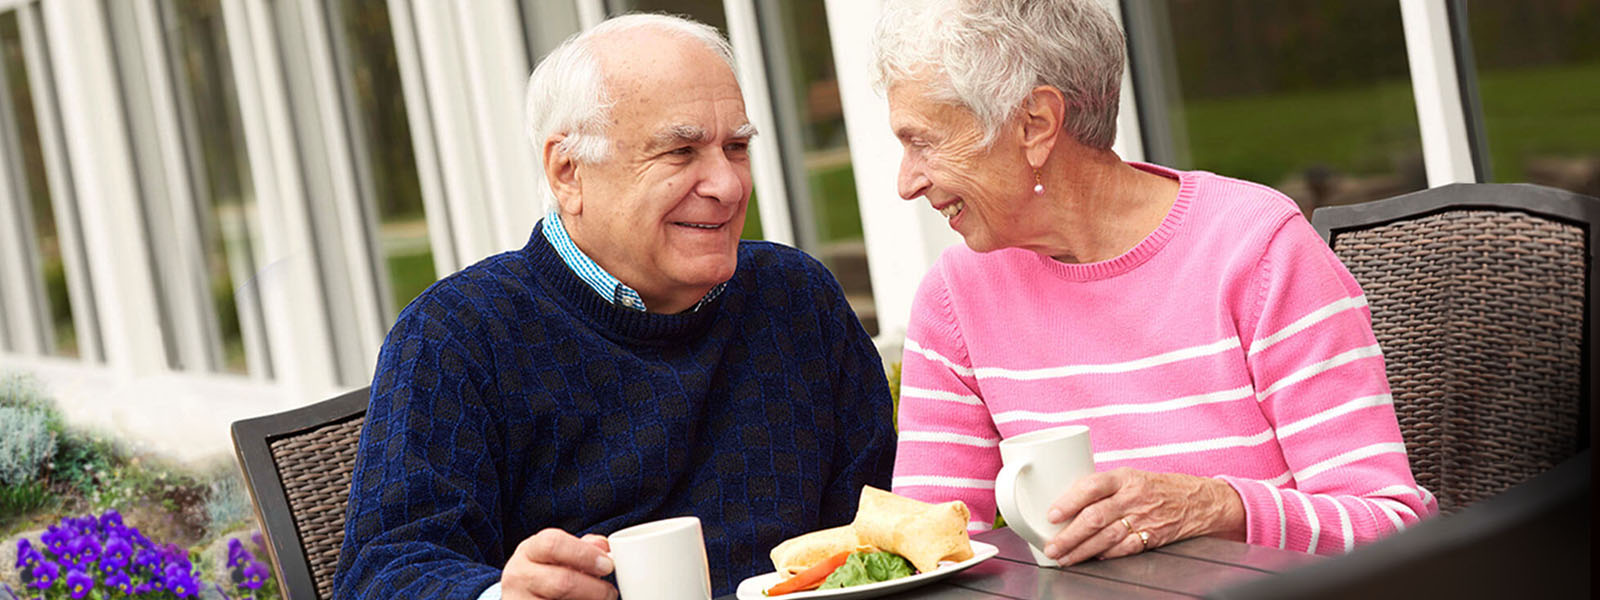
(1125, 523)
(1144, 540)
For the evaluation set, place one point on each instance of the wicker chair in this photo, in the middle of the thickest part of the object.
(297, 465)
(1481, 300)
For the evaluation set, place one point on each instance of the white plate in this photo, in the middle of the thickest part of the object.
(754, 588)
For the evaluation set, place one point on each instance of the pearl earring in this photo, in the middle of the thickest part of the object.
(1038, 184)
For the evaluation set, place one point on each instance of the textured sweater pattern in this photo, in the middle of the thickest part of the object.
(1229, 343)
(510, 398)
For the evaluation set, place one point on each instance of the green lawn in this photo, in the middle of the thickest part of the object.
(409, 274)
(1366, 130)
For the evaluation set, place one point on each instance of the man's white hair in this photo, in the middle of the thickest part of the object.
(986, 55)
(567, 92)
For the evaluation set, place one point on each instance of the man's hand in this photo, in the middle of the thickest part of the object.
(554, 565)
(1109, 510)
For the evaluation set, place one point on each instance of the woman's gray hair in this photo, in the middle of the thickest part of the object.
(986, 55)
(567, 93)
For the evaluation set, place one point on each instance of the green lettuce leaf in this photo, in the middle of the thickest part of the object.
(868, 567)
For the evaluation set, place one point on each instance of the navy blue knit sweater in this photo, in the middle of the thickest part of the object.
(510, 397)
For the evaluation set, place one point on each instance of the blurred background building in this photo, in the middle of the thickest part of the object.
(213, 209)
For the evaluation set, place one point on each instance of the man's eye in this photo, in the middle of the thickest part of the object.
(737, 147)
(682, 151)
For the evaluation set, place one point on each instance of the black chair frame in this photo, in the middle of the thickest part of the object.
(252, 440)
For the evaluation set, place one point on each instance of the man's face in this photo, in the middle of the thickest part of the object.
(664, 212)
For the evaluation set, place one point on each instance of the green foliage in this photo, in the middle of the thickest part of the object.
(26, 444)
(894, 391)
(409, 274)
(82, 459)
(18, 500)
(227, 505)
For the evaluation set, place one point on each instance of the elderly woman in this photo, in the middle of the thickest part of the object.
(1221, 355)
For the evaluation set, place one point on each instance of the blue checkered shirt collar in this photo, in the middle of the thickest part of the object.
(603, 283)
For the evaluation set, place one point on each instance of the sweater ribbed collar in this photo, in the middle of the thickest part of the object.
(1146, 248)
(615, 321)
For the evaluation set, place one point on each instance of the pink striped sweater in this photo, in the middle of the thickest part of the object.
(1230, 342)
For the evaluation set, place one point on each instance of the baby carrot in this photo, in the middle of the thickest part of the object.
(811, 578)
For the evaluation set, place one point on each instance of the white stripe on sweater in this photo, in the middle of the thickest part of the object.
(1315, 369)
(939, 481)
(1395, 490)
(1328, 415)
(1233, 441)
(1316, 316)
(1121, 367)
(942, 437)
(1283, 520)
(1361, 453)
(1280, 480)
(1344, 525)
(913, 347)
(1312, 520)
(1396, 505)
(1011, 416)
(926, 394)
(1388, 512)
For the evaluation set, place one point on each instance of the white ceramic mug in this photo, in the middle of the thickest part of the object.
(663, 559)
(1039, 467)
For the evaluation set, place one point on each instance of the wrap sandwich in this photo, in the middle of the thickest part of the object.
(891, 536)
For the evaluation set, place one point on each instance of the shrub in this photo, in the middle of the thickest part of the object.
(26, 444)
(227, 505)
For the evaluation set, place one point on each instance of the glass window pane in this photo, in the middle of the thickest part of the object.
(64, 341)
(1539, 83)
(209, 104)
(805, 62)
(1312, 98)
(383, 146)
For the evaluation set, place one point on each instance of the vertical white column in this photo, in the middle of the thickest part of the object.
(903, 238)
(175, 230)
(419, 114)
(348, 208)
(293, 301)
(22, 303)
(766, 163)
(438, 42)
(1446, 150)
(58, 173)
(105, 186)
(1129, 144)
(496, 66)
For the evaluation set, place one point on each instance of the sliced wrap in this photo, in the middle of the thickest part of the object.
(923, 533)
(798, 554)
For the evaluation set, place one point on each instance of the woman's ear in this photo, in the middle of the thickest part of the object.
(562, 173)
(1044, 111)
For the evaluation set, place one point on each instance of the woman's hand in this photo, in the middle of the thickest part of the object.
(1109, 510)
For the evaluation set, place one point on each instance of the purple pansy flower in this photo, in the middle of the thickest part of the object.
(79, 583)
(254, 575)
(27, 556)
(45, 574)
(121, 582)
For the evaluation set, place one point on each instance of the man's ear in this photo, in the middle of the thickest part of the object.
(562, 173)
(1044, 111)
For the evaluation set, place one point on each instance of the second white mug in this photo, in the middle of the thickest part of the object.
(1039, 467)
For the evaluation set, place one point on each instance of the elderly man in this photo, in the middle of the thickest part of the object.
(634, 361)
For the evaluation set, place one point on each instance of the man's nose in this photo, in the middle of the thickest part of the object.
(911, 182)
(723, 179)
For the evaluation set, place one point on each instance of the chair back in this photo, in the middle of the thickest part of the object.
(1482, 298)
(297, 465)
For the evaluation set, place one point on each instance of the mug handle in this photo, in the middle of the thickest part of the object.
(1005, 496)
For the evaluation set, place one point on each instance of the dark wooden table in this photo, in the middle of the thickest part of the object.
(1186, 569)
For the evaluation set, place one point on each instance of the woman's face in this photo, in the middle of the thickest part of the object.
(979, 190)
